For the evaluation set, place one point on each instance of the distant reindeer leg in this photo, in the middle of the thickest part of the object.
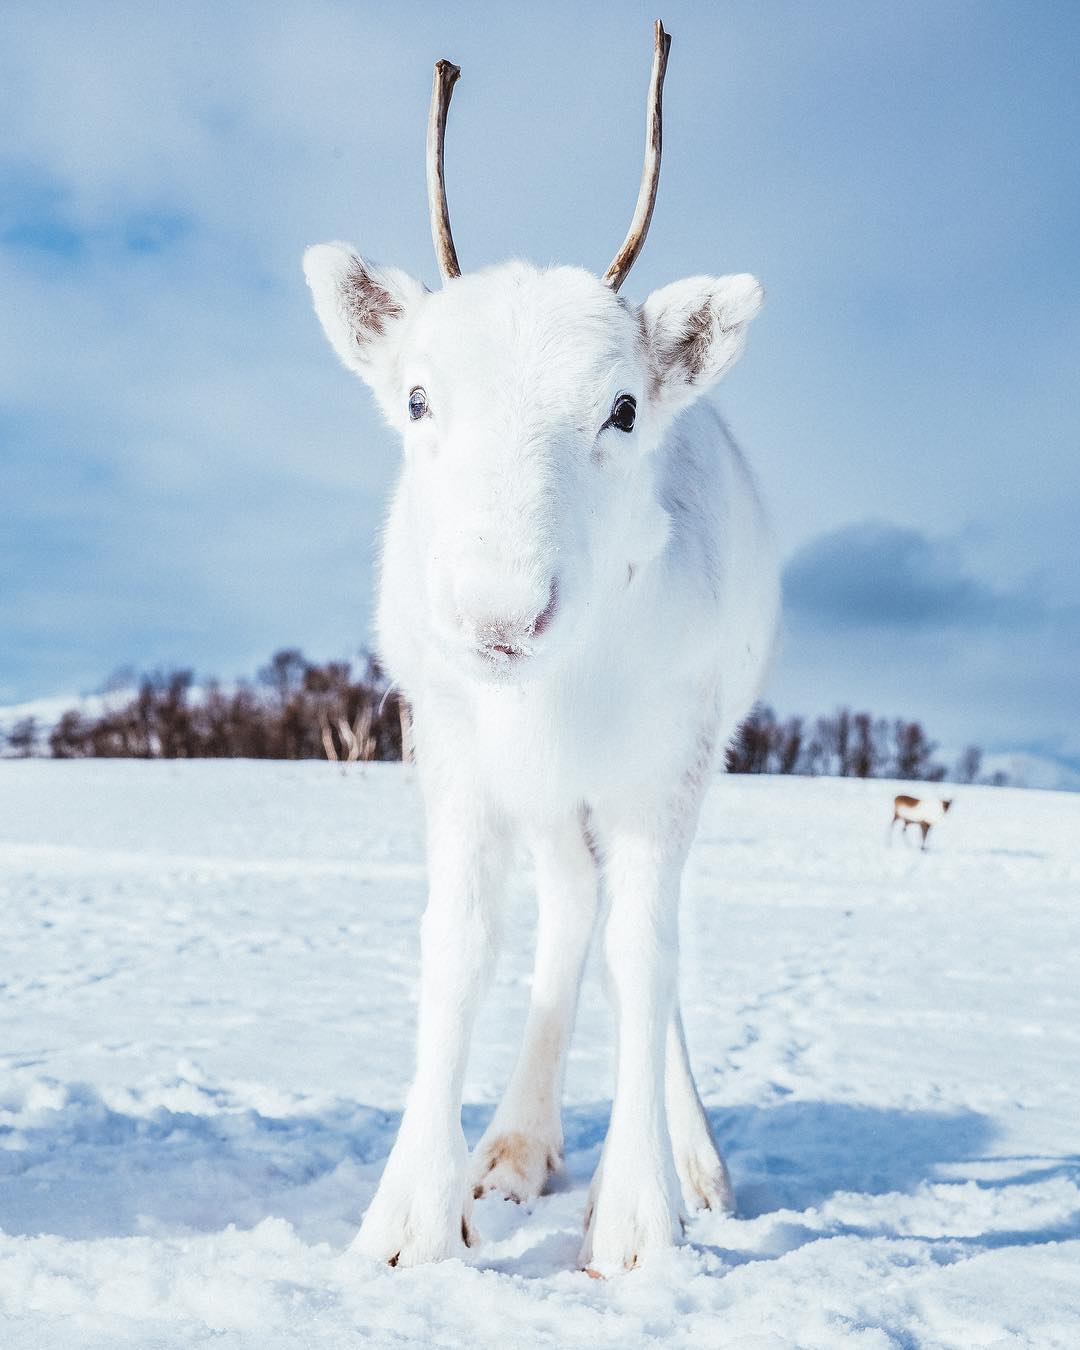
(702, 1172)
(925, 827)
(523, 1145)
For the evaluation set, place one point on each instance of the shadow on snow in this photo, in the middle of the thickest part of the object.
(84, 1170)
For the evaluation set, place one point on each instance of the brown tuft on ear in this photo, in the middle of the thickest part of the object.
(693, 352)
(696, 330)
(368, 306)
(362, 308)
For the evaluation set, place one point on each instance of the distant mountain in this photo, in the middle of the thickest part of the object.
(1027, 768)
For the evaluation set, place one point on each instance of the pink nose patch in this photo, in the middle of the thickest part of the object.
(509, 639)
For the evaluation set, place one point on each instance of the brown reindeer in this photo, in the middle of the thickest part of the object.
(921, 812)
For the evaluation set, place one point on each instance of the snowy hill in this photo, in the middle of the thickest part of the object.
(208, 1000)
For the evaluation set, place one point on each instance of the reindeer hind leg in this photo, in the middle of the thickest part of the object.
(703, 1175)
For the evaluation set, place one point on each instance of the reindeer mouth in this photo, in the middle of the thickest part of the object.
(500, 663)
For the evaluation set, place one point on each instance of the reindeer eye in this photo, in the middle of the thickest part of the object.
(417, 404)
(623, 412)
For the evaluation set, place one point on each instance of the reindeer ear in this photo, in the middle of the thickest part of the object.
(362, 309)
(697, 330)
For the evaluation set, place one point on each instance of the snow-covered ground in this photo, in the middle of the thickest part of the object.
(207, 1003)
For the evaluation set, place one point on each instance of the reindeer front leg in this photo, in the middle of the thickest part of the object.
(634, 1203)
(422, 1207)
(523, 1144)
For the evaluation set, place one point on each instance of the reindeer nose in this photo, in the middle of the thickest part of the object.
(512, 635)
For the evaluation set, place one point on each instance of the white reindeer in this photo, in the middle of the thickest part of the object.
(577, 597)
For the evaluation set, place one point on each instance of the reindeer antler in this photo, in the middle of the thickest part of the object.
(650, 173)
(442, 88)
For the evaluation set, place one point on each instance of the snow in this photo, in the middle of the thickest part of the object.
(208, 1001)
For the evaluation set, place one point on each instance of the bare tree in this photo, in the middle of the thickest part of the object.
(969, 764)
(913, 753)
(751, 744)
(69, 738)
(22, 738)
(868, 750)
(789, 746)
(842, 744)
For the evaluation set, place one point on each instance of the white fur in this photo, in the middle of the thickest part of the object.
(597, 740)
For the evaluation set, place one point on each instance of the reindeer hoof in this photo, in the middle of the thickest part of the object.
(515, 1164)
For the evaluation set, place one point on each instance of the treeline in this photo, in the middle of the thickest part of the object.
(845, 745)
(295, 709)
(299, 709)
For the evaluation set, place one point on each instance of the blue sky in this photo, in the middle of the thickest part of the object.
(188, 478)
